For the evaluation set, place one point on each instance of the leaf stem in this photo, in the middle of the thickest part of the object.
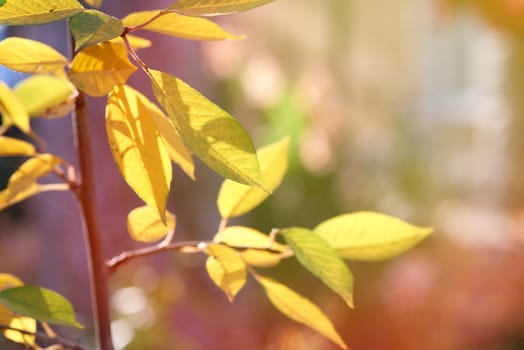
(142, 25)
(43, 336)
(134, 55)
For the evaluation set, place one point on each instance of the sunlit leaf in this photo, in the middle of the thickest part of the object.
(29, 12)
(144, 224)
(175, 146)
(226, 269)
(94, 3)
(299, 309)
(31, 170)
(14, 147)
(370, 236)
(235, 199)
(12, 110)
(30, 56)
(97, 68)
(187, 27)
(211, 133)
(240, 236)
(136, 42)
(8, 197)
(9, 318)
(40, 94)
(92, 27)
(41, 304)
(215, 7)
(322, 260)
(137, 147)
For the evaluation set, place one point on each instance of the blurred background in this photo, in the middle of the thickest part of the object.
(411, 108)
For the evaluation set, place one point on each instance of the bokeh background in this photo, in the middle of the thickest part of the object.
(411, 108)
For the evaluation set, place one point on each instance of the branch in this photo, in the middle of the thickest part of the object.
(142, 25)
(42, 336)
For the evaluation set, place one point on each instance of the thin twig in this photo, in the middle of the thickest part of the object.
(42, 336)
(134, 55)
(142, 25)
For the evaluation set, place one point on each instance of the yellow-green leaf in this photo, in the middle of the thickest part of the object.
(94, 3)
(187, 27)
(322, 260)
(92, 27)
(97, 68)
(12, 110)
(30, 171)
(175, 146)
(14, 147)
(8, 197)
(30, 56)
(136, 42)
(299, 309)
(137, 147)
(240, 236)
(235, 199)
(40, 94)
(9, 318)
(144, 224)
(30, 12)
(226, 269)
(212, 134)
(215, 7)
(370, 236)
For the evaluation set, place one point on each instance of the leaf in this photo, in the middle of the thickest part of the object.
(299, 309)
(31, 12)
(137, 146)
(31, 170)
(321, 260)
(235, 199)
(176, 148)
(226, 269)
(8, 197)
(30, 56)
(370, 236)
(97, 68)
(215, 7)
(41, 304)
(211, 133)
(136, 42)
(39, 94)
(144, 224)
(94, 3)
(12, 110)
(9, 318)
(14, 147)
(187, 27)
(92, 27)
(240, 236)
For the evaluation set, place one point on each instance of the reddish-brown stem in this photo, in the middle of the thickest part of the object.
(142, 25)
(93, 235)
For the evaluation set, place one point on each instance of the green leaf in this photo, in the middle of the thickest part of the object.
(187, 27)
(322, 260)
(12, 110)
(40, 94)
(226, 269)
(137, 146)
(41, 304)
(212, 134)
(92, 27)
(215, 7)
(299, 309)
(235, 199)
(97, 68)
(2, 2)
(144, 224)
(14, 147)
(370, 236)
(30, 12)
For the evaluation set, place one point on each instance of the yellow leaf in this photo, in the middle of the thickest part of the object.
(91, 27)
(39, 94)
(240, 236)
(370, 236)
(226, 269)
(175, 146)
(9, 318)
(12, 110)
(14, 147)
(30, 56)
(31, 170)
(235, 199)
(215, 7)
(98, 68)
(8, 197)
(145, 225)
(211, 134)
(137, 147)
(136, 42)
(94, 3)
(187, 27)
(30, 12)
(299, 309)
